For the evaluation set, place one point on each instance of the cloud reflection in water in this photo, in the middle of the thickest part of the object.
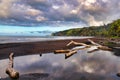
(99, 65)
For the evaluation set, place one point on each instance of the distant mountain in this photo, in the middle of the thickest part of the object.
(42, 33)
(109, 30)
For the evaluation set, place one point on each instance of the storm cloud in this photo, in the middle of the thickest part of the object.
(28, 12)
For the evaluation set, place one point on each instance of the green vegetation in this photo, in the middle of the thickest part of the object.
(109, 30)
(114, 29)
(110, 44)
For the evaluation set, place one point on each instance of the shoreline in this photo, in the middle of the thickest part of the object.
(39, 47)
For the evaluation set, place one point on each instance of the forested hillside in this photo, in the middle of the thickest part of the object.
(109, 30)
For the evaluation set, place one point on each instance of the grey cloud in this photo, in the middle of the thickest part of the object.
(90, 12)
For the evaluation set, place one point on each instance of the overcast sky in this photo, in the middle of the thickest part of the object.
(58, 13)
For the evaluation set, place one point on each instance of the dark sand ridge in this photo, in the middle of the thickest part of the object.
(40, 47)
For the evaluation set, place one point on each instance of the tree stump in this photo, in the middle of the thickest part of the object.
(13, 74)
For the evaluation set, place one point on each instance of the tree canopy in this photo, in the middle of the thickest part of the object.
(109, 30)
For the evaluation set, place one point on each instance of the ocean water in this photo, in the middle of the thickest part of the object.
(15, 39)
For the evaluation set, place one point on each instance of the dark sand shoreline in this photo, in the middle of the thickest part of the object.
(38, 47)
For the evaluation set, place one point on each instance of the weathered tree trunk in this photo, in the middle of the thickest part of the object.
(78, 44)
(13, 74)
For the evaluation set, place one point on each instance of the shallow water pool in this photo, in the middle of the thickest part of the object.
(99, 65)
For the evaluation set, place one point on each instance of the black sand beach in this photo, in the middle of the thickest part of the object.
(43, 47)
(38, 47)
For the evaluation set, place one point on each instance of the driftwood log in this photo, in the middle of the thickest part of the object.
(13, 74)
(70, 52)
(100, 46)
(67, 53)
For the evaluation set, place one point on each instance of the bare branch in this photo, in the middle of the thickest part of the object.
(94, 42)
(71, 42)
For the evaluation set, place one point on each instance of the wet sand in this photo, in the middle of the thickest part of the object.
(38, 47)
